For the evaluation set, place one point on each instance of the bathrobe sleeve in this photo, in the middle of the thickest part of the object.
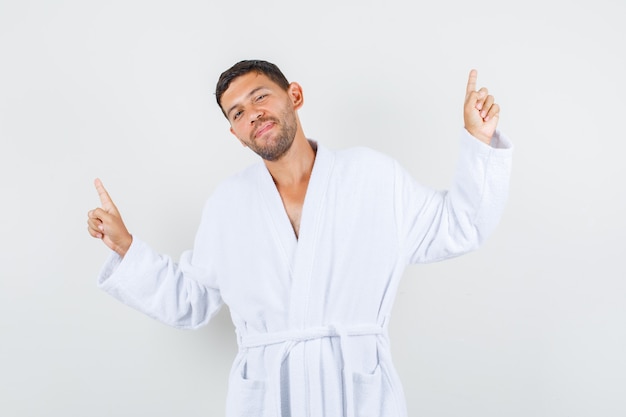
(182, 295)
(435, 225)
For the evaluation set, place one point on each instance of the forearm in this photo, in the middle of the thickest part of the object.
(443, 224)
(158, 287)
(481, 182)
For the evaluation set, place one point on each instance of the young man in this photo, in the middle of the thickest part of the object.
(307, 248)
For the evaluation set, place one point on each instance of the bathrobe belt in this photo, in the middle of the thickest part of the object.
(291, 338)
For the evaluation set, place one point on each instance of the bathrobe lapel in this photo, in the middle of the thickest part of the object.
(299, 253)
(276, 216)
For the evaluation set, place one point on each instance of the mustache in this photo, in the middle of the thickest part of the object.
(260, 122)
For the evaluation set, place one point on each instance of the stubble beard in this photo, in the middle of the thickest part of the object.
(275, 149)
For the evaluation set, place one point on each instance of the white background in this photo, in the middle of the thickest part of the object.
(533, 324)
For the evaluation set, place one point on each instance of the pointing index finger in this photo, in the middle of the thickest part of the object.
(105, 199)
(471, 82)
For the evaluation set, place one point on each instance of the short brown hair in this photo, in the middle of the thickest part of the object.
(243, 68)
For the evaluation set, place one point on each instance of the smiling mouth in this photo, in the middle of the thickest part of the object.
(267, 126)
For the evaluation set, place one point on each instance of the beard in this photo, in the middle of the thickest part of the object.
(274, 148)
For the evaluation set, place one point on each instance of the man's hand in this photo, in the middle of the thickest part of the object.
(106, 223)
(480, 113)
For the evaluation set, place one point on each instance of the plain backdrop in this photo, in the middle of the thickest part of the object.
(532, 324)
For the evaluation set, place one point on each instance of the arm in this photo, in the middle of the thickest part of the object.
(435, 225)
(180, 295)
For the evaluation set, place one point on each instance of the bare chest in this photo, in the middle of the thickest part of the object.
(293, 200)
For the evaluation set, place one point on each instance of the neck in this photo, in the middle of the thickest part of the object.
(295, 166)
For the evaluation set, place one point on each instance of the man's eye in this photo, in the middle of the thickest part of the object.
(261, 97)
(237, 115)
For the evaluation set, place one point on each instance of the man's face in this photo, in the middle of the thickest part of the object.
(261, 114)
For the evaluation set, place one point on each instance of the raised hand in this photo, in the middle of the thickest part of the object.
(106, 223)
(480, 112)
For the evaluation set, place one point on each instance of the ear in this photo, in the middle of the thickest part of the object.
(295, 94)
(240, 141)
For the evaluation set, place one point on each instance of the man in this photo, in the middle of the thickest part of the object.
(307, 249)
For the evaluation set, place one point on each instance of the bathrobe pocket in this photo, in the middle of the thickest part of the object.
(246, 397)
(368, 393)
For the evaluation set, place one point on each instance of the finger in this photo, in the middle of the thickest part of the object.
(471, 82)
(98, 214)
(494, 112)
(481, 96)
(94, 232)
(96, 224)
(486, 106)
(102, 221)
(105, 199)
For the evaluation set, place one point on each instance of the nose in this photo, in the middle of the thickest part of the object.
(255, 115)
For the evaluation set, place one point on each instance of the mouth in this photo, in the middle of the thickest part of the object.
(263, 128)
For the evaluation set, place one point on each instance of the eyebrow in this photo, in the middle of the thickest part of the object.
(251, 93)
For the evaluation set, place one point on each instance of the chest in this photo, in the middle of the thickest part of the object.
(293, 201)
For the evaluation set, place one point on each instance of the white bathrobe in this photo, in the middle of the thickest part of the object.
(312, 313)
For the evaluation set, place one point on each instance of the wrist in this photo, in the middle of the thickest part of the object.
(124, 246)
(486, 139)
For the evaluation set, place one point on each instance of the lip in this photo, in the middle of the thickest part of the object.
(264, 128)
